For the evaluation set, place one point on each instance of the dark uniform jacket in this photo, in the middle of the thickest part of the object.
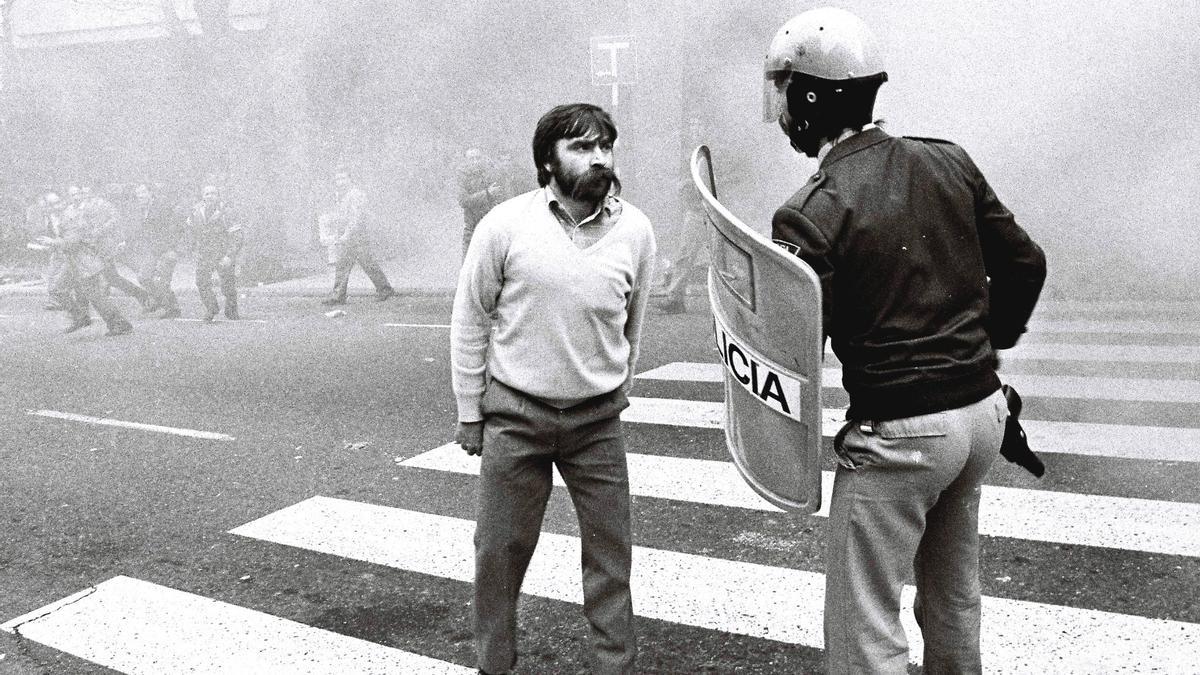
(159, 231)
(214, 232)
(924, 273)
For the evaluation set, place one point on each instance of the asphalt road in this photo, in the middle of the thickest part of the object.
(311, 406)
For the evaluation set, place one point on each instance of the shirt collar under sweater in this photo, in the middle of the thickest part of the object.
(599, 222)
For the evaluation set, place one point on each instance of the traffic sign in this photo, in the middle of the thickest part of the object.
(614, 60)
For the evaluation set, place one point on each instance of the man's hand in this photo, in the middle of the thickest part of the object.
(225, 263)
(470, 436)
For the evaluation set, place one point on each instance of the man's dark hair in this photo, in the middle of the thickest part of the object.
(568, 121)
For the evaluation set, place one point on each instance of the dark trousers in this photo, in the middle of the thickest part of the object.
(115, 280)
(359, 254)
(205, 267)
(522, 439)
(76, 293)
(155, 276)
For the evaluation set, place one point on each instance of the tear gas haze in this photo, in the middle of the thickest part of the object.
(1078, 113)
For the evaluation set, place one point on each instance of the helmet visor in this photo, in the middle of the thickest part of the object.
(775, 86)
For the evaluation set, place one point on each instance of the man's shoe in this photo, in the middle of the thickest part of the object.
(209, 314)
(77, 324)
(384, 294)
(333, 301)
(122, 329)
(231, 313)
(171, 314)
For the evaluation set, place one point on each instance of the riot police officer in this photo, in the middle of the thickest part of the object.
(218, 239)
(924, 274)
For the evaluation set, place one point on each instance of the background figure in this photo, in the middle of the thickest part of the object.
(43, 220)
(480, 187)
(217, 238)
(353, 243)
(159, 237)
(329, 228)
(690, 261)
(690, 258)
(79, 271)
(110, 243)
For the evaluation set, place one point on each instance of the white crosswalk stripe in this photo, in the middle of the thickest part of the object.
(1050, 386)
(1066, 518)
(137, 627)
(1130, 326)
(1102, 353)
(1168, 444)
(751, 599)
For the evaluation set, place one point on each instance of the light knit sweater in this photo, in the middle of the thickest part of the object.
(567, 320)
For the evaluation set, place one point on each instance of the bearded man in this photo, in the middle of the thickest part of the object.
(563, 273)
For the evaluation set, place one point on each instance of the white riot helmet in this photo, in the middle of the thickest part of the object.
(822, 72)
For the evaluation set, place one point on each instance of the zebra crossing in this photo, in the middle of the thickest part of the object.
(136, 626)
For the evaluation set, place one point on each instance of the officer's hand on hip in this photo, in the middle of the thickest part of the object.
(470, 436)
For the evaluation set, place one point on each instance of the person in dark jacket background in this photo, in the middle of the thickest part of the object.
(159, 237)
(217, 238)
(924, 275)
(481, 186)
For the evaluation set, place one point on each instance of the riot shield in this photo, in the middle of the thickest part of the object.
(766, 306)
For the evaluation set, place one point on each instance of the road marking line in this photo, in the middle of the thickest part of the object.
(1143, 525)
(1118, 305)
(1100, 353)
(137, 627)
(1049, 386)
(191, 433)
(761, 601)
(417, 325)
(1134, 326)
(224, 320)
(1119, 441)
(1047, 351)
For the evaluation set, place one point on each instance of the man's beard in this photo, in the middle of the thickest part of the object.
(588, 187)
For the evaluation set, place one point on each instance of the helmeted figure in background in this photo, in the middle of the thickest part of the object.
(346, 235)
(78, 269)
(217, 238)
(160, 236)
(924, 274)
(481, 186)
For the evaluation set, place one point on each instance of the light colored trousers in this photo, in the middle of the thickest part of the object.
(906, 505)
(522, 439)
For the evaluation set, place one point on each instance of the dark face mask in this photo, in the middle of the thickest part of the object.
(800, 135)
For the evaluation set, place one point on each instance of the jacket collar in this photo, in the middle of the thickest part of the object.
(857, 142)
